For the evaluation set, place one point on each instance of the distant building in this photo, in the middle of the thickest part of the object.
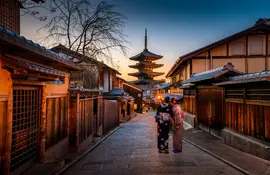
(145, 66)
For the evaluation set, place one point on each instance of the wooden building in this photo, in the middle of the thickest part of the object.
(34, 100)
(248, 50)
(134, 91)
(204, 100)
(231, 106)
(95, 103)
(94, 74)
(247, 113)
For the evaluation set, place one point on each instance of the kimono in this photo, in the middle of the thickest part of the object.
(178, 127)
(163, 118)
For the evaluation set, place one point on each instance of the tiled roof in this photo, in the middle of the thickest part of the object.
(117, 91)
(163, 86)
(38, 68)
(62, 49)
(145, 53)
(204, 75)
(34, 67)
(227, 69)
(247, 78)
(9, 36)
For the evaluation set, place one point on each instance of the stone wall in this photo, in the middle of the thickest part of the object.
(246, 144)
(190, 119)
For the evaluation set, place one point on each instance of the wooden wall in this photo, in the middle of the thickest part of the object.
(3, 123)
(248, 111)
(56, 120)
(189, 102)
(210, 107)
(111, 115)
(85, 118)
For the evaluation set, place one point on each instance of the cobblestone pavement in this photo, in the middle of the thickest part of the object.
(133, 150)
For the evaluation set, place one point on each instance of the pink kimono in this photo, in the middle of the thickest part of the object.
(178, 125)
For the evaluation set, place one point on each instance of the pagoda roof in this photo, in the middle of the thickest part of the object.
(146, 81)
(143, 73)
(146, 64)
(146, 54)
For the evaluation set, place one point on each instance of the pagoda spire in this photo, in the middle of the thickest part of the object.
(145, 40)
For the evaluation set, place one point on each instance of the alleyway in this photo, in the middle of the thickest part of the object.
(132, 150)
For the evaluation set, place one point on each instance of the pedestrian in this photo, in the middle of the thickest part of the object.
(177, 125)
(163, 118)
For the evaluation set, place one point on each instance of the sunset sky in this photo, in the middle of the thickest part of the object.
(175, 27)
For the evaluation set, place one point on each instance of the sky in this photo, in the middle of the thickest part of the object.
(175, 27)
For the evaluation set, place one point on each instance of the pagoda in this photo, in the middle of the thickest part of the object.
(145, 67)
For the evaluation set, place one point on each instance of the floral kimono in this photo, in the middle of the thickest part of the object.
(163, 119)
(178, 126)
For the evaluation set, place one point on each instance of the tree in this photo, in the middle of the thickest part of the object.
(33, 8)
(86, 28)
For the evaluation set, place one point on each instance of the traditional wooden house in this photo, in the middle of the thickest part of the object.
(247, 113)
(248, 50)
(94, 99)
(204, 101)
(33, 104)
(134, 91)
(94, 74)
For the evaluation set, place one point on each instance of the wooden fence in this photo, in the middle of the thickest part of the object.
(210, 107)
(189, 101)
(56, 120)
(111, 115)
(248, 111)
(85, 119)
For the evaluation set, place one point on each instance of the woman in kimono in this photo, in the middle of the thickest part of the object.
(177, 124)
(163, 118)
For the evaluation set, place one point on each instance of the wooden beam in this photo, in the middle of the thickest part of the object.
(77, 119)
(7, 156)
(266, 52)
(29, 82)
(246, 60)
(209, 60)
(35, 75)
(258, 102)
(43, 124)
(227, 49)
(234, 100)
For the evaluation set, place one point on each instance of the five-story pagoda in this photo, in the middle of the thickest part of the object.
(145, 68)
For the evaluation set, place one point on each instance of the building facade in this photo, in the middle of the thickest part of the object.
(247, 50)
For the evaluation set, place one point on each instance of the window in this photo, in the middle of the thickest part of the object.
(256, 45)
(238, 48)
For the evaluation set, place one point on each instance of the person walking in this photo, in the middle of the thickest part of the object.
(163, 118)
(177, 125)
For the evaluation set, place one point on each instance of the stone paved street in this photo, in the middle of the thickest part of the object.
(132, 150)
